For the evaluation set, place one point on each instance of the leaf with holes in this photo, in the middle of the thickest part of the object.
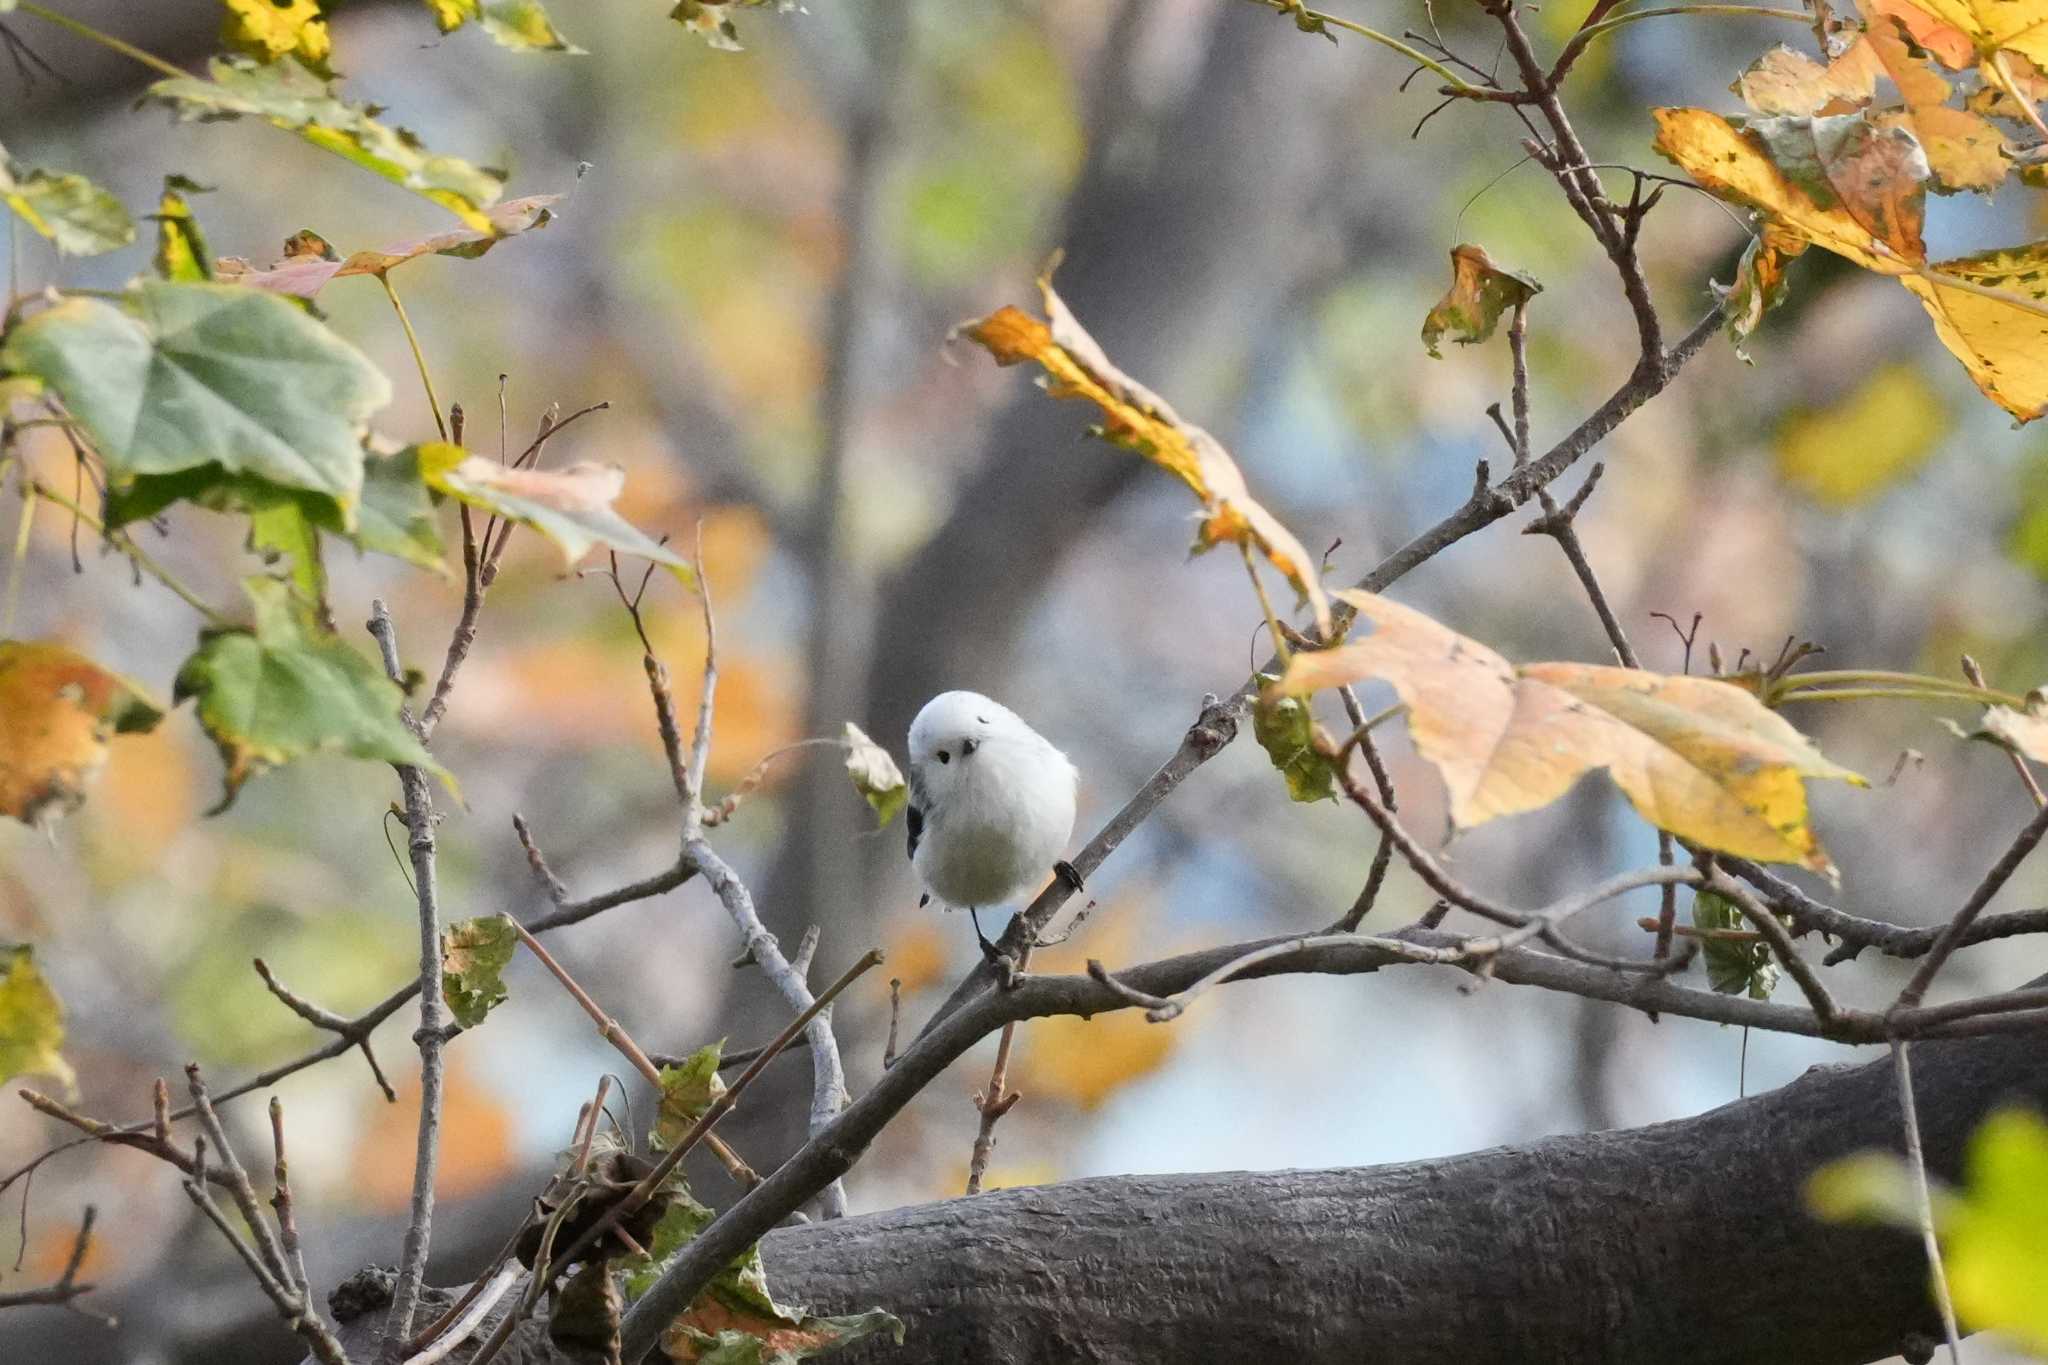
(79, 216)
(285, 688)
(288, 96)
(1285, 730)
(522, 25)
(474, 955)
(1480, 292)
(1735, 966)
(570, 506)
(875, 774)
(1139, 420)
(31, 1020)
(58, 709)
(183, 375)
(1695, 756)
(687, 1091)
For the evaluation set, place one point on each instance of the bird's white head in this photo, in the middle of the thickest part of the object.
(950, 732)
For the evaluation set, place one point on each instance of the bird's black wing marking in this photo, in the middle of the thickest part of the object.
(913, 820)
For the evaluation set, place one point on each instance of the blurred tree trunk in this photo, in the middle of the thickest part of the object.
(1681, 1242)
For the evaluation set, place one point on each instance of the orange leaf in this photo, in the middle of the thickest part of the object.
(1480, 292)
(1695, 756)
(1141, 421)
(57, 711)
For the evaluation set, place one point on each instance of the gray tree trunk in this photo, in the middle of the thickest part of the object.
(1684, 1242)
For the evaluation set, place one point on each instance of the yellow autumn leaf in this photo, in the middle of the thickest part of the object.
(1991, 311)
(1141, 421)
(1857, 192)
(1958, 30)
(1848, 451)
(1964, 150)
(270, 29)
(1784, 81)
(1695, 756)
(31, 1020)
(1480, 292)
(57, 711)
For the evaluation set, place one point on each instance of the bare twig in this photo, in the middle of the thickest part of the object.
(895, 1018)
(996, 1099)
(67, 1287)
(330, 1021)
(1952, 935)
(1902, 1068)
(419, 821)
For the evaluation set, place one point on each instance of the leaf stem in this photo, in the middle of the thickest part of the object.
(1997, 68)
(106, 40)
(125, 543)
(1301, 11)
(1272, 618)
(419, 357)
(1586, 35)
(1928, 694)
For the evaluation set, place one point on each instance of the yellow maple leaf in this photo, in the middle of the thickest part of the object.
(1695, 756)
(1991, 311)
(1140, 420)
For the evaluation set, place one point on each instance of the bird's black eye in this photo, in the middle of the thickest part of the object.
(945, 757)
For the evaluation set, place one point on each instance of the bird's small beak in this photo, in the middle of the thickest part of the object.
(968, 746)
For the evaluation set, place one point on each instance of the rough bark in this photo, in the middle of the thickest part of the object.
(1681, 1242)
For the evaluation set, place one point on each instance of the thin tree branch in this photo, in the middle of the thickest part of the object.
(1952, 935)
(1902, 1068)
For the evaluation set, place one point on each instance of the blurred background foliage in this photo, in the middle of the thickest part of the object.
(757, 267)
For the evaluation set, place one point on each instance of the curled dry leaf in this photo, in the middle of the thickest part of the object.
(31, 1020)
(1480, 292)
(571, 506)
(875, 774)
(1695, 756)
(522, 25)
(309, 263)
(2023, 732)
(1141, 421)
(57, 711)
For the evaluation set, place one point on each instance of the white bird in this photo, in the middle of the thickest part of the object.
(991, 805)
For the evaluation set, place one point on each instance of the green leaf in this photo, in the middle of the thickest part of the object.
(288, 96)
(875, 774)
(1993, 1232)
(1480, 292)
(288, 688)
(31, 1020)
(519, 24)
(1995, 1241)
(79, 216)
(687, 1091)
(1733, 965)
(474, 955)
(570, 506)
(1284, 729)
(184, 375)
(735, 1318)
(181, 252)
(395, 516)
